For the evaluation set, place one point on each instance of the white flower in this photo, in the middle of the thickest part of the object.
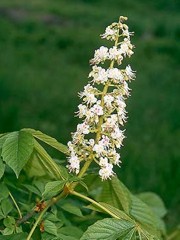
(125, 89)
(103, 162)
(70, 146)
(110, 33)
(126, 32)
(77, 137)
(100, 55)
(97, 109)
(82, 110)
(118, 136)
(83, 128)
(108, 99)
(115, 74)
(120, 102)
(104, 141)
(74, 164)
(90, 98)
(130, 73)
(115, 54)
(113, 119)
(88, 94)
(116, 159)
(102, 76)
(126, 47)
(98, 148)
(110, 123)
(106, 172)
(99, 75)
(91, 142)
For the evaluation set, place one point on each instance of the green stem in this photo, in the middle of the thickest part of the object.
(36, 223)
(173, 235)
(81, 173)
(49, 204)
(94, 202)
(15, 203)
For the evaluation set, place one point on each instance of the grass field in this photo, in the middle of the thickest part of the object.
(45, 47)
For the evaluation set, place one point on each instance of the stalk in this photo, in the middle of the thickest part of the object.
(94, 202)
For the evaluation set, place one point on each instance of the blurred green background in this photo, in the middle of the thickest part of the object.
(45, 47)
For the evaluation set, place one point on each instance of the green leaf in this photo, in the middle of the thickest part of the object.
(3, 138)
(72, 209)
(144, 215)
(17, 150)
(35, 167)
(49, 140)
(4, 193)
(6, 207)
(50, 227)
(2, 167)
(48, 162)
(120, 214)
(71, 231)
(154, 202)
(83, 184)
(116, 194)
(109, 229)
(112, 229)
(19, 229)
(9, 222)
(33, 189)
(114, 211)
(53, 218)
(53, 188)
(17, 236)
(131, 235)
(65, 237)
(8, 231)
(47, 236)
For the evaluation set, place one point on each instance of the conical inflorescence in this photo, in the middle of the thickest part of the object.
(103, 108)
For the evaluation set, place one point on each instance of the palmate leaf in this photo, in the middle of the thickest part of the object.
(120, 214)
(154, 202)
(116, 194)
(109, 229)
(17, 150)
(112, 229)
(48, 140)
(144, 216)
(156, 205)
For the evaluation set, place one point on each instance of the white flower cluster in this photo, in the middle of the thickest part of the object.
(102, 110)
